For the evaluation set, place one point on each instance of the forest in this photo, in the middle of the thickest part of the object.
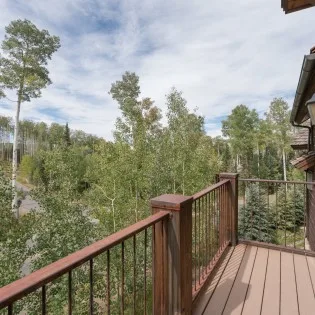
(88, 187)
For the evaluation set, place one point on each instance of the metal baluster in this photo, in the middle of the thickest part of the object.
(208, 231)
(10, 309)
(122, 277)
(268, 202)
(43, 300)
(252, 215)
(212, 228)
(108, 281)
(304, 211)
(195, 239)
(145, 268)
(285, 216)
(260, 238)
(70, 292)
(199, 240)
(204, 227)
(91, 286)
(277, 212)
(294, 198)
(134, 274)
(217, 221)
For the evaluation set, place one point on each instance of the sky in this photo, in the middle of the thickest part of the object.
(218, 53)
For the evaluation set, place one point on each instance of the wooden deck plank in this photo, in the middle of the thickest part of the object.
(311, 268)
(222, 291)
(256, 280)
(236, 299)
(288, 296)
(304, 286)
(202, 301)
(252, 304)
(271, 300)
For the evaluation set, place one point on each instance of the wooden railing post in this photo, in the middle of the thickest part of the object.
(233, 191)
(172, 256)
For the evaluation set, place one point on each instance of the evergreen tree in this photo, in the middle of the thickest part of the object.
(289, 213)
(255, 220)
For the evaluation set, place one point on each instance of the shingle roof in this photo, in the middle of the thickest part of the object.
(304, 162)
(300, 140)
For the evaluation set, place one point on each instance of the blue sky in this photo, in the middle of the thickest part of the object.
(219, 53)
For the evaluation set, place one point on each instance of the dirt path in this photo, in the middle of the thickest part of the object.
(28, 203)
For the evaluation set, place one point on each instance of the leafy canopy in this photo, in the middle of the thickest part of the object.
(26, 50)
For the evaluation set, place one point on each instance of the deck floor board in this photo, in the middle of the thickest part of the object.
(256, 280)
(288, 296)
(311, 268)
(202, 302)
(255, 293)
(271, 305)
(236, 299)
(222, 291)
(304, 286)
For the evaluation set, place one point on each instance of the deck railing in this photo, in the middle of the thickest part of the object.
(158, 265)
(211, 229)
(196, 236)
(274, 212)
(120, 249)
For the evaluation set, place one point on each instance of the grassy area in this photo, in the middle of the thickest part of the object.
(25, 182)
(290, 239)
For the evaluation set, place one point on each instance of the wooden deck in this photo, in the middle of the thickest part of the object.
(254, 280)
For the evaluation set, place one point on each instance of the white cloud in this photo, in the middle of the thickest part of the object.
(219, 53)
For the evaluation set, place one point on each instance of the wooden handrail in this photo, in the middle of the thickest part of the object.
(20, 288)
(209, 189)
(274, 181)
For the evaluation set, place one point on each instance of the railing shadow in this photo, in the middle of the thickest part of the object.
(229, 286)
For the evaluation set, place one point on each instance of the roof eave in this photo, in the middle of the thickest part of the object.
(305, 75)
(285, 7)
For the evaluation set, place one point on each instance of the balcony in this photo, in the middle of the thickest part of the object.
(257, 280)
(237, 247)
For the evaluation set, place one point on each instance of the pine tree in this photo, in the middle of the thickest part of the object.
(289, 214)
(255, 220)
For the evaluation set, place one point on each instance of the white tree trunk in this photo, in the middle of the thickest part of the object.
(258, 161)
(284, 170)
(284, 165)
(15, 207)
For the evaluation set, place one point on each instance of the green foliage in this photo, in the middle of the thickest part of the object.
(89, 188)
(67, 139)
(241, 127)
(26, 50)
(56, 135)
(27, 168)
(290, 207)
(256, 221)
(258, 147)
(13, 236)
(63, 226)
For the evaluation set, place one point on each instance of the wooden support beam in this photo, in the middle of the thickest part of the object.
(172, 250)
(233, 193)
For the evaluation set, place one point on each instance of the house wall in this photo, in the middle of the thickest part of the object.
(310, 215)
